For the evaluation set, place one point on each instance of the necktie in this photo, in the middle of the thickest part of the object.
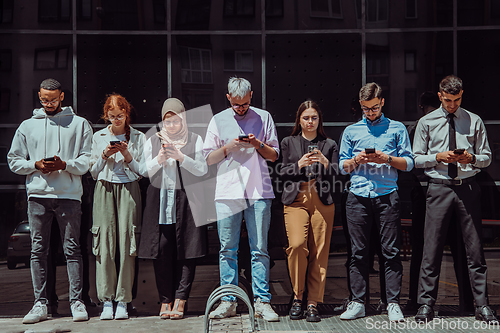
(452, 167)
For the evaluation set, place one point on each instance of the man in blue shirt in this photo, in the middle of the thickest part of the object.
(371, 150)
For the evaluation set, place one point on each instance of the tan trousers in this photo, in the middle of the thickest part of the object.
(309, 225)
(116, 217)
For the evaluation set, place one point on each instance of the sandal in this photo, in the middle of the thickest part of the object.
(167, 313)
(175, 314)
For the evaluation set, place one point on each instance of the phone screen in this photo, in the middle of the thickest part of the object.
(370, 150)
(311, 148)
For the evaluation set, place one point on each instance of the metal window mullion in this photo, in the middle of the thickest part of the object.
(263, 51)
(75, 58)
(169, 48)
(455, 37)
(363, 42)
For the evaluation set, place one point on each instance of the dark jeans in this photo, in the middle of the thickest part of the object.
(444, 204)
(174, 277)
(382, 213)
(68, 214)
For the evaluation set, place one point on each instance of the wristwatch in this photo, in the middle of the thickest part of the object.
(261, 145)
(473, 159)
(389, 159)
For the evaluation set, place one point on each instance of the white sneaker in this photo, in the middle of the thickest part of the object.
(37, 313)
(79, 311)
(225, 309)
(107, 311)
(354, 310)
(121, 311)
(264, 310)
(395, 313)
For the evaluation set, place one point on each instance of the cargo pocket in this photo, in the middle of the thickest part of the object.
(133, 240)
(95, 241)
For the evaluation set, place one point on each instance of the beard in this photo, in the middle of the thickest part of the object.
(53, 112)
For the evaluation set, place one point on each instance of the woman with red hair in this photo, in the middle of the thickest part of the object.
(115, 164)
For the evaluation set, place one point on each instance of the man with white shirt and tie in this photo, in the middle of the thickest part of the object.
(452, 145)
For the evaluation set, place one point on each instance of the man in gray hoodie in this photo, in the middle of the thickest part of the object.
(52, 149)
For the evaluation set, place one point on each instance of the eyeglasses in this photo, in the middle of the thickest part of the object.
(237, 106)
(54, 102)
(120, 117)
(374, 108)
(170, 123)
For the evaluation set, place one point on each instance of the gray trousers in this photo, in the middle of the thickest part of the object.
(462, 204)
(68, 215)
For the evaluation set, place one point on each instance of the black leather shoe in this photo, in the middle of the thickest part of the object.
(424, 314)
(486, 314)
(312, 314)
(296, 310)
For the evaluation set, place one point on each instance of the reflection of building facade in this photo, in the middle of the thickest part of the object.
(290, 50)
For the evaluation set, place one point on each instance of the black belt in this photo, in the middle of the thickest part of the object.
(455, 182)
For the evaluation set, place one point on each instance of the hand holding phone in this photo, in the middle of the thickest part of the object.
(241, 137)
(312, 148)
(459, 151)
(49, 159)
(114, 142)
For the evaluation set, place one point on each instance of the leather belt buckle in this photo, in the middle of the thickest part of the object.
(459, 182)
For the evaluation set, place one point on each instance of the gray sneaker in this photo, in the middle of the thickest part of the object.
(79, 311)
(36, 314)
(264, 310)
(107, 311)
(225, 309)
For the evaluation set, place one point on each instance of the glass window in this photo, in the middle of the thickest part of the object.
(53, 58)
(54, 10)
(274, 8)
(4, 100)
(326, 8)
(410, 61)
(239, 8)
(241, 61)
(6, 10)
(411, 9)
(329, 75)
(196, 67)
(5, 60)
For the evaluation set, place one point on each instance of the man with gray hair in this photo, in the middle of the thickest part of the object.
(239, 140)
(52, 149)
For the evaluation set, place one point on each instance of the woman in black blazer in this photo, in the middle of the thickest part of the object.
(310, 164)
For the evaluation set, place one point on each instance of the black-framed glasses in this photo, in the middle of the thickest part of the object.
(367, 109)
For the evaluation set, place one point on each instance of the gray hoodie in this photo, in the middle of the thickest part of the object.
(66, 135)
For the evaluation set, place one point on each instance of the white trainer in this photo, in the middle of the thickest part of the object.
(79, 311)
(121, 311)
(354, 310)
(264, 310)
(395, 313)
(225, 309)
(37, 313)
(107, 311)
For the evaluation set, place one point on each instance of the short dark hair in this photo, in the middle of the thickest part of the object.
(451, 85)
(370, 91)
(50, 84)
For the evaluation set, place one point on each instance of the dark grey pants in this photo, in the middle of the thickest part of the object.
(174, 277)
(68, 215)
(444, 203)
(382, 213)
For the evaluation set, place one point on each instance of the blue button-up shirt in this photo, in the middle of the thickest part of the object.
(391, 137)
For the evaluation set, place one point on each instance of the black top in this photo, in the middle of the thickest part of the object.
(292, 150)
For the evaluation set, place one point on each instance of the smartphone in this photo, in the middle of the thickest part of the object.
(370, 150)
(49, 159)
(459, 151)
(114, 143)
(241, 137)
(311, 148)
(167, 146)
